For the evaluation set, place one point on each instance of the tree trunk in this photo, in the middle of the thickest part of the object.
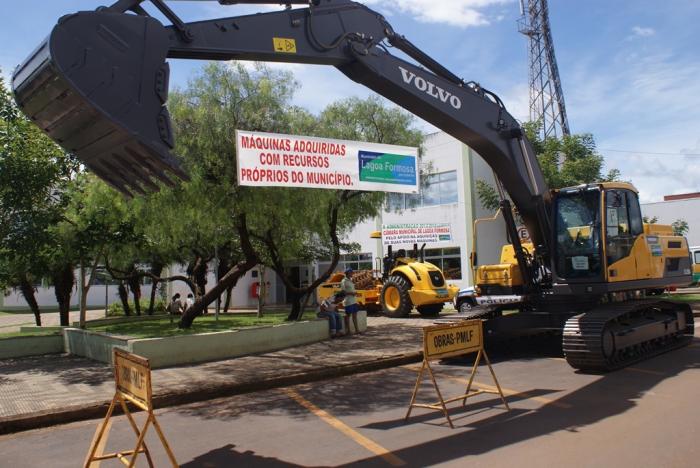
(135, 286)
(296, 311)
(85, 285)
(124, 296)
(63, 281)
(84, 288)
(156, 270)
(152, 299)
(227, 303)
(229, 280)
(27, 290)
(304, 304)
(200, 277)
(262, 290)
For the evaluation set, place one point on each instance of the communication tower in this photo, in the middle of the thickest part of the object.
(546, 96)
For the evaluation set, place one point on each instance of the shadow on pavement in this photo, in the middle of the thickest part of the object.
(227, 456)
(477, 431)
(68, 369)
(609, 395)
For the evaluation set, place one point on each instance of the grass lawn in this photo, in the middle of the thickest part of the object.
(36, 333)
(207, 323)
(682, 297)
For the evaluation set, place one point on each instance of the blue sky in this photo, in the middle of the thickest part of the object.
(630, 69)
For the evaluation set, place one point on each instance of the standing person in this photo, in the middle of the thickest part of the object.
(350, 302)
(189, 302)
(175, 306)
(329, 309)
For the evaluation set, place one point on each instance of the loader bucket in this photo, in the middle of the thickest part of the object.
(98, 86)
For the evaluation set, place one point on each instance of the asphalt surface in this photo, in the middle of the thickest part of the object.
(643, 416)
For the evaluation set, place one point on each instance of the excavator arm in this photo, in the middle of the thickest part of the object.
(98, 86)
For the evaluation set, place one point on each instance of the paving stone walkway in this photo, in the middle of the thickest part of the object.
(53, 382)
(10, 323)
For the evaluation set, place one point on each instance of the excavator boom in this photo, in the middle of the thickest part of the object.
(98, 86)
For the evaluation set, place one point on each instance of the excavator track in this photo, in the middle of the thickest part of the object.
(616, 335)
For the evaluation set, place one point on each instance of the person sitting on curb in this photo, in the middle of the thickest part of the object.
(350, 302)
(189, 302)
(329, 309)
(175, 306)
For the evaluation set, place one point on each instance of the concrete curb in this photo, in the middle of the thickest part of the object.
(39, 419)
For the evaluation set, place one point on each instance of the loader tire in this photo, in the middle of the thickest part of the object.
(430, 310)
(396, 303)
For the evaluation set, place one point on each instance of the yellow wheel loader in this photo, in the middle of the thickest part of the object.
(405, 281)
(409, 281)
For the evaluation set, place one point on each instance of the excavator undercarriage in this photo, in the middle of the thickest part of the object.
(616, 335)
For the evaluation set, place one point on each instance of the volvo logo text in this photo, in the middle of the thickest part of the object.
(431, 89)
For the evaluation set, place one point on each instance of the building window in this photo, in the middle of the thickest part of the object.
(362, 261)
(436, 189)
(449, 260)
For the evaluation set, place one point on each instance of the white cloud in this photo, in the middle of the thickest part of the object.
(639, 31)
(641, 104)
(462, 13)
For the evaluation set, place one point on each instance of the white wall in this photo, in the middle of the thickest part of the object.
(240, 296)
(46, 298)
(670, 211)
(96, 295)
(491, 235)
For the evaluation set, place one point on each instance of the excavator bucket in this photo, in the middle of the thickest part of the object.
(98, 87)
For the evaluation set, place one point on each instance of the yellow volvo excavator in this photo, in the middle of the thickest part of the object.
(98, 86)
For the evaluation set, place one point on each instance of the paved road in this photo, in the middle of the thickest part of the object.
(643, 416)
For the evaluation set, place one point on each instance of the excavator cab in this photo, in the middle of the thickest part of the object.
(578, 255)
(602, 240)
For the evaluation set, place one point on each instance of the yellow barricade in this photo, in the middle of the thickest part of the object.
(444, 341)
(132, 376)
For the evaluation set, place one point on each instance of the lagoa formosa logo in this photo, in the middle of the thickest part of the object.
(431, 89)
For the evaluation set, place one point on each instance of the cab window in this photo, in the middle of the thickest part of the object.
(623, 223)
(635, 214)
(577, 228)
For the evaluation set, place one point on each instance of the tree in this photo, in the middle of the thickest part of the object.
(270, 225)
(680, 227)
(567, 161)
(34, 176)
(96, 220)
(222, 98)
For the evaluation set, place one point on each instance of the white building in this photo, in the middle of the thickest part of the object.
(675, 207)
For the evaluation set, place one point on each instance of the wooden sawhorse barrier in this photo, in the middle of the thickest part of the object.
(132, 375)
(451, 340)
